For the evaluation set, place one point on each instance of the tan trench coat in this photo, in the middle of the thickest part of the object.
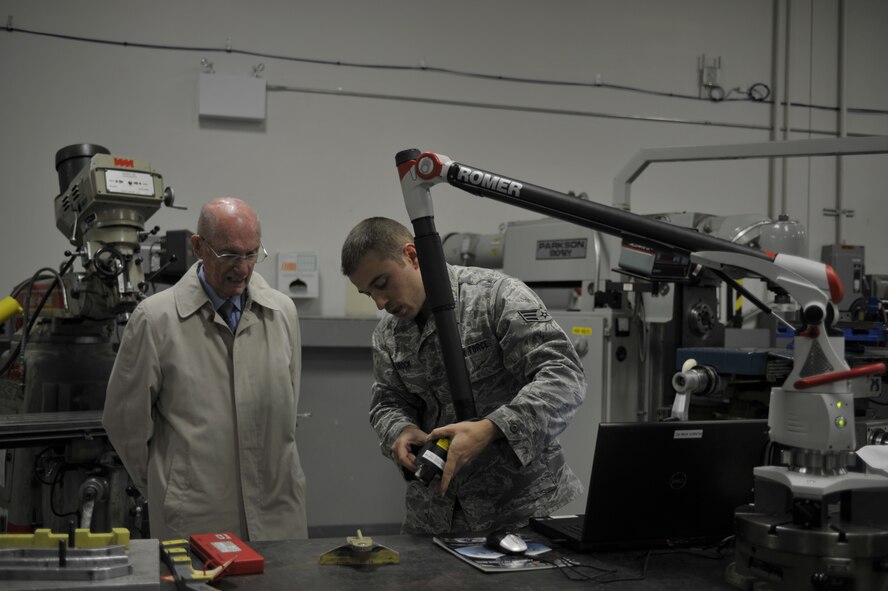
(204, 420)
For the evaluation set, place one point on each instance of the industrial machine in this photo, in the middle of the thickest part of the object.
(572, 269)
(815, 519)
(633, 339)
(57, 470)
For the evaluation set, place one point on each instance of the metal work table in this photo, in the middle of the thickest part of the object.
(423, 565)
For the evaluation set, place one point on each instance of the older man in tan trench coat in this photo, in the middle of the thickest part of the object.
(202, 411)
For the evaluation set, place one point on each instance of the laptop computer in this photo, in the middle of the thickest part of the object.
(664, 484)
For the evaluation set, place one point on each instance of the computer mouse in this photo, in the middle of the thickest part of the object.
(505, 542)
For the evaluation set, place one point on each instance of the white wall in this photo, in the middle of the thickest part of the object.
(321, 163)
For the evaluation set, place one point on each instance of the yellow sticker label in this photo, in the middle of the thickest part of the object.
(584, 330)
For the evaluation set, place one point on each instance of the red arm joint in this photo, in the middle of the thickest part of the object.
(829, 378)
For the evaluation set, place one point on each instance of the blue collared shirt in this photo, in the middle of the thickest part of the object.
(217, 300)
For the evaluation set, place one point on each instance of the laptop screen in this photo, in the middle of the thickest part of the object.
(671, 483)
(665, 484)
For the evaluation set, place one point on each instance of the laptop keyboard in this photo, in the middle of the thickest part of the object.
(575, 528)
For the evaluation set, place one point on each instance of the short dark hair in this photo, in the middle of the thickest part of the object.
(383, 235)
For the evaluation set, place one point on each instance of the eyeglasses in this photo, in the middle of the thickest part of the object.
(231, 259)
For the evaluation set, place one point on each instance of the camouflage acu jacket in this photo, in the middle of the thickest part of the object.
(526, 378)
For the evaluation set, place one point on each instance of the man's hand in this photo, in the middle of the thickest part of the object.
(467, 440)
(401, 451)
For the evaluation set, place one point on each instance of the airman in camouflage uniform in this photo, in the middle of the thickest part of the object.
(526, 380)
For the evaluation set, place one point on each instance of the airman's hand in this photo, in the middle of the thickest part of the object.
(467, 440)
(401, 451)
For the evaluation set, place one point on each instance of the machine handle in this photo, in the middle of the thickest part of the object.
(828, 378)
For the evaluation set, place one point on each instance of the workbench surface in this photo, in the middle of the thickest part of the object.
(425, 566)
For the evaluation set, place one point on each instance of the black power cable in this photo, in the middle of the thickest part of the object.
(758, 92)
(28, 324)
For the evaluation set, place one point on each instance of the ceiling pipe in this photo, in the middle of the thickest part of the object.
(776, 42)
(843, 112)
(787, 104)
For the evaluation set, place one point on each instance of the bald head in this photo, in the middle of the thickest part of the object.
(226, 214)
(227, 226)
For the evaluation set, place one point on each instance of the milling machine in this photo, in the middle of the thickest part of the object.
(57, 465)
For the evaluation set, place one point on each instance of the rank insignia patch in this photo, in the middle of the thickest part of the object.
(538, 315)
